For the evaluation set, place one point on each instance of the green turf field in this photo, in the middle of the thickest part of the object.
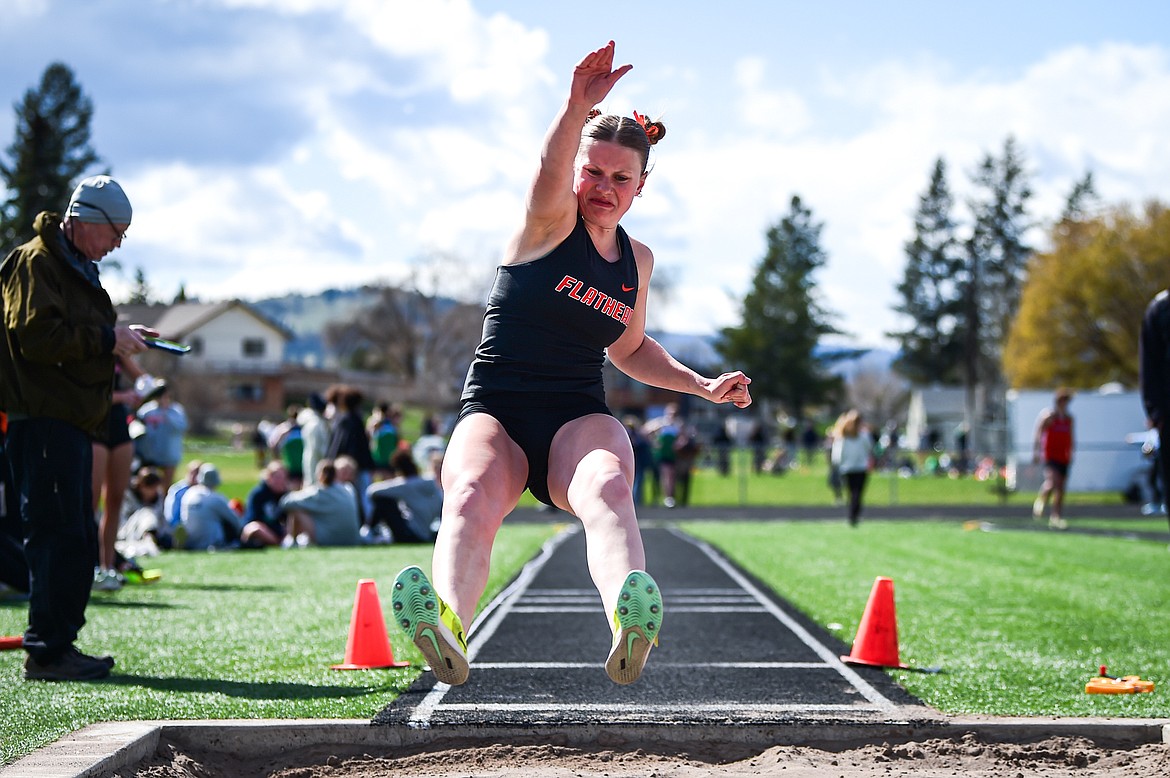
(805, 485)
(1018, 621)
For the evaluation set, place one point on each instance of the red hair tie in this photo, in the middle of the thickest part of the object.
(655, 131)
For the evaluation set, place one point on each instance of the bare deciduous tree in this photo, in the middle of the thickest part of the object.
(422, 332)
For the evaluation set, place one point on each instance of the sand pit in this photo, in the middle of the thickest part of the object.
(965, 755)
(1052, 758)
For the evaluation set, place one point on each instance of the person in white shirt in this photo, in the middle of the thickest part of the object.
(852, 455)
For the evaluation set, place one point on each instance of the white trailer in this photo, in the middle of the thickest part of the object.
(1109, 427)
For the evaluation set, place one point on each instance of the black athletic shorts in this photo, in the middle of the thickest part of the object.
(1060, 468)
(531, 419)
(117, 426)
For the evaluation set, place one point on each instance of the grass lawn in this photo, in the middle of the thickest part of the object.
(243, 634)
(801, 486)
(1017, 620)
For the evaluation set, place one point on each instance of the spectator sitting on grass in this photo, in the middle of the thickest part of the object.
(173, 502)
(325, 513)
(206, 517)
(264, 519)
(419, 501)
(142, 524)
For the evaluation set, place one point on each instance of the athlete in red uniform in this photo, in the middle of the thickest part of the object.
(1054, 447)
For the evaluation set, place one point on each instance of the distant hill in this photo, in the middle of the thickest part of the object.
(307, 315)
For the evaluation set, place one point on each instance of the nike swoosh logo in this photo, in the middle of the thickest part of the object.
(627, 288)
(427, 632)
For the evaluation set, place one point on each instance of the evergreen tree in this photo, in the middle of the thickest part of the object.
(140, 293)
(997, 257)
(931, 348)
(49, 154)
(783, 322)
(1075, 220)
(1080, 200)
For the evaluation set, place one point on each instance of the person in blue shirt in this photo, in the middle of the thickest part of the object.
(264, 518)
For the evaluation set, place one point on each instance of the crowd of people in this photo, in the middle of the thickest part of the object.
(354, 496)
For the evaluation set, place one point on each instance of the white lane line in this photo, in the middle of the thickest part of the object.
(671, 599)
(728, 591)
(618, 708)
(688, 665)
(753, 608)
(859, 683)
(488, 621)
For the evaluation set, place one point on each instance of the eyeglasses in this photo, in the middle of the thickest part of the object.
(121, 235)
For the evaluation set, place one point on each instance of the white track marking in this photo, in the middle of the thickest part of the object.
(831, 658)
(488, 621)
(518, 598)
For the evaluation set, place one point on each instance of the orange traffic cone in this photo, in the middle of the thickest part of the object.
(368, 647)
(876, 643)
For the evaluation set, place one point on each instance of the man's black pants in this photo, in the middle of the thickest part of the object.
(52, 464)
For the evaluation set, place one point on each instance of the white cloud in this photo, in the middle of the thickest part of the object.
(1104, 108)
(473, 57)
(350, 138)
(767, 111)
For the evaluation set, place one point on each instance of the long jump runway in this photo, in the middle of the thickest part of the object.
(731, 652)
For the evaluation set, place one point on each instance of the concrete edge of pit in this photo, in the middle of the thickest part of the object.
(100, 749)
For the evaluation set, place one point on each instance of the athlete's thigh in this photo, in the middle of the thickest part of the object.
(597, 439)
(121, 458)
(481, 455)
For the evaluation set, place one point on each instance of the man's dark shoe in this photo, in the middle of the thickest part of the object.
(106, 660)
(71, 666)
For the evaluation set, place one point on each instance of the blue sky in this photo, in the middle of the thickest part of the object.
(274, 146)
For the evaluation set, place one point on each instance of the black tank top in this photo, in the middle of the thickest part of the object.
(549, 321)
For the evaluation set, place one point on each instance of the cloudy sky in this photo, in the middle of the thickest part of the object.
(274, 146)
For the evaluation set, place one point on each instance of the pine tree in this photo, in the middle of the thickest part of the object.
(49, 154)
(140, 293)
(997, 257)
(1080, 200)
(1076, 221)
(783, 322)
(931, 348)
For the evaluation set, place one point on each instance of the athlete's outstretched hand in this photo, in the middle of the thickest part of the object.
(594, 76)
(731, 388)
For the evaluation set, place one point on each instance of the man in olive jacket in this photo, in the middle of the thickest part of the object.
(56, 380)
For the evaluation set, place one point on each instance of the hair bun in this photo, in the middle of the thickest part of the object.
(655, 131)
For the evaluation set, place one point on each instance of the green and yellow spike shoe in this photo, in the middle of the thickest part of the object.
(433, 626)
(636, 622)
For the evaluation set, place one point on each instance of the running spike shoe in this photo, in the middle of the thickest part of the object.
(431, 624)
(636, 622)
